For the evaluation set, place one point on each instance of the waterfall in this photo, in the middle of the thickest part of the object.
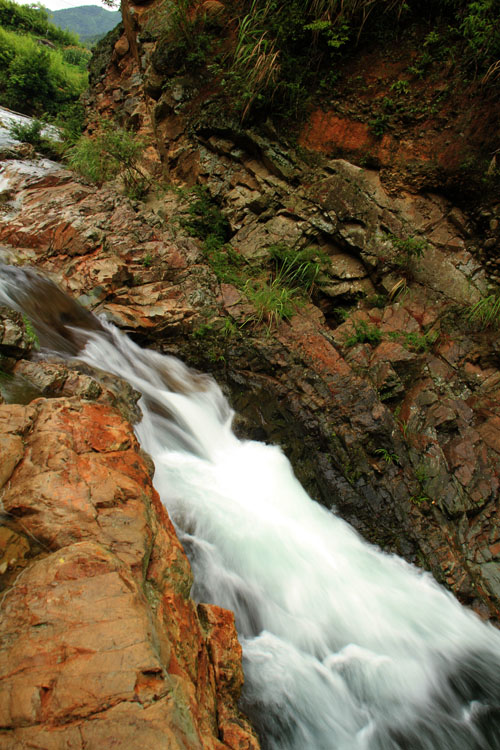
(345, 647)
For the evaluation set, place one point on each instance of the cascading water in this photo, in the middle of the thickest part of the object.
(345, 648)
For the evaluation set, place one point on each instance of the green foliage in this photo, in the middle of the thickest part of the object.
(420, 499)
(71, 122)
(480, 28)
(417, 342)
(377, 300)
(31, 334)
(400, 87)
(206, 220)
(255, 64)
(77, 56)
(380, 124)
(364, 333)
(112, 151)
(147, 261)
(31, 132)
(486, 312)
(272, 301)
(295, 268)
(388, 457)
(187, 34)
(292, 278)
(274, 54)
(410, 249)
(34, 78)
(33, 19)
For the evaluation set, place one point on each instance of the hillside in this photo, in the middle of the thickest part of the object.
(42, 67)
(86, 20)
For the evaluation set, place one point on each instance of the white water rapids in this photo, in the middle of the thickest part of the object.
(345, 648)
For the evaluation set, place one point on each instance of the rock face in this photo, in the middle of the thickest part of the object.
(101, 645)
(391, 415)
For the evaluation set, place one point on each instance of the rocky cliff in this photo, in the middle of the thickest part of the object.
(101, 645)
(379, 382)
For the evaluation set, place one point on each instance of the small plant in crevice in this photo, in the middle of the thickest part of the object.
(205, 219)
(32, 133)
(380, 124)
(296, 268)
(272, 301)
(364, 333)
(404, 425)
(410, 250)
(420, 500)
(390, 458)
(401, 87)
(31, 334)
(486, 312)
(417, 342)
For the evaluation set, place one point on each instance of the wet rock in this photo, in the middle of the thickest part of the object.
(136, 666)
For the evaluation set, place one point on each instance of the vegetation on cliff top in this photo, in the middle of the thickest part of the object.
(42, 67)
(274, 53)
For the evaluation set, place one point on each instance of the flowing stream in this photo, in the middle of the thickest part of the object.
(345, 647)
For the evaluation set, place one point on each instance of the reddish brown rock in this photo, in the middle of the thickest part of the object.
(100, 644)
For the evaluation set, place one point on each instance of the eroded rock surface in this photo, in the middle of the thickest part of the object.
(100, 644)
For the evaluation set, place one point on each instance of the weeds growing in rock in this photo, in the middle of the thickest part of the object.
(112, 151)
(364, 333)
(205, 219)
(486, 312)
(255, 65)
(31, 133)
(388, 457)
(416, 342)
(31, 334)
(295, 268)
(410, 250)
(380, 124)
(272, 301)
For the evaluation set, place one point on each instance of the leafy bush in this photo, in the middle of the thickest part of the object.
(107, 154)
(32, 132)
(35, 79)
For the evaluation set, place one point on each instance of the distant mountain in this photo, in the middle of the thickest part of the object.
(86, 20)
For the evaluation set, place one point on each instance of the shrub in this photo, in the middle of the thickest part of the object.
(110, 152)
(35, 79)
